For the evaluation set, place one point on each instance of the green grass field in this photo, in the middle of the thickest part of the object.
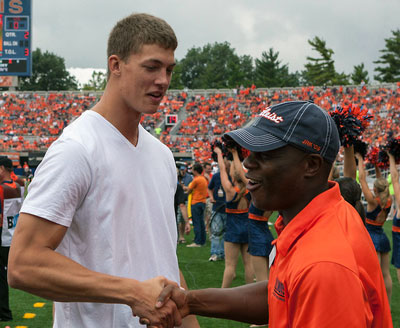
(198, 272)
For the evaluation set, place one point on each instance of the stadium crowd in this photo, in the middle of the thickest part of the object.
(212, 116)
(33, 121)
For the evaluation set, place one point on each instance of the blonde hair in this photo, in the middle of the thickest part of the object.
(382, 188)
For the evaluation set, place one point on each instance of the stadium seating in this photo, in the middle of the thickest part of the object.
(32, 121)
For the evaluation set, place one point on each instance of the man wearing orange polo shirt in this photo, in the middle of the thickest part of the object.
(198, 188)
(324, 269)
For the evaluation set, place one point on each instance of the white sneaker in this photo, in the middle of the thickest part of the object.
(213, 258)
(193, 245)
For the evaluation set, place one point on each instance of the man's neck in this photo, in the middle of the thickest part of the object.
(5, 178)
(308, 196)
(125, 120)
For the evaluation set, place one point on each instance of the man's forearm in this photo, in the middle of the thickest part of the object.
(55, 277)
(248, 303)
(184, 212)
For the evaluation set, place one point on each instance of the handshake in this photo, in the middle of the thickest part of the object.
(161, 303)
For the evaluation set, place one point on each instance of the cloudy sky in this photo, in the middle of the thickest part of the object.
(77, 30)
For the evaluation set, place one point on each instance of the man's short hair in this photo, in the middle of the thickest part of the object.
(301, 124)
(198, 168)
(132, 32)
(6, 162)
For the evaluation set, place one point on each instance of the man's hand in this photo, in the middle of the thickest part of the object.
(144, 305)
(187, 227)
(176, 294)
(170, 296)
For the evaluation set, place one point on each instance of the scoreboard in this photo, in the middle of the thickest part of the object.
(15, 37)
(171, 119)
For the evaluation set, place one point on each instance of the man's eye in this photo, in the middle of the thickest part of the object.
(151, 68)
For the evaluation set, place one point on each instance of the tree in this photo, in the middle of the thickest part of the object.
(242, 73)
(48, 73)
(270, 73)
(221, 64)
(193, 67)
(359, 74)
(98, 81)
(176, 80)
(390, 60)
(321, 71)
(215, 66)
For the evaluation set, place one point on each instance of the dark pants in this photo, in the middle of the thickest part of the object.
(5, 312)
(198, 223)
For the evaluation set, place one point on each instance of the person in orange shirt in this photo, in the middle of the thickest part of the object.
(324, 271)
(198, 188)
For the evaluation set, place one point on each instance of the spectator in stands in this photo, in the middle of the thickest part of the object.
(378, 208)
(198, 189)
(324, 270)
(10, 204)
(103, 197)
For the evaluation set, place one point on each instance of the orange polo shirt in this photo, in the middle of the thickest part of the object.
(199, 186)
(326, 272)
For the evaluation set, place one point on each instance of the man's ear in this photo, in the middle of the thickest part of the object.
(114, 65)
(314, 164)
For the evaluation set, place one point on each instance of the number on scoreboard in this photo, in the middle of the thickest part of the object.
(171, 119)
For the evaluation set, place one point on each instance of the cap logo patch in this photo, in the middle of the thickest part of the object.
(266, 113)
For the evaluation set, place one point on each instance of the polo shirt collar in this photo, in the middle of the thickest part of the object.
(305, 219)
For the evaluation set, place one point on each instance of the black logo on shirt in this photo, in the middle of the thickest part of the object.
(279, 290)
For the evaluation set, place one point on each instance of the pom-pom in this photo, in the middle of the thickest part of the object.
(232, 144)
(220, 145)
(351, 122)
(360, 147)
(372, 156)
(383, 159)
(378, 156)
(393, 148)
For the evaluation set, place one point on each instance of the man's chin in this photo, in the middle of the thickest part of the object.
(150, 110)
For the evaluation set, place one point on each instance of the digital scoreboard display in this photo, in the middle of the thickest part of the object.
(15, 37)
(171, 119)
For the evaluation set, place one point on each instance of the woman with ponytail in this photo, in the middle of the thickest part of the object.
(236, 231)
(378, 208)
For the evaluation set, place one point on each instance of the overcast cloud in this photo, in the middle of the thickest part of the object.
(77, 30)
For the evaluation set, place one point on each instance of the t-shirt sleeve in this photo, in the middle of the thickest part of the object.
(211, 184)
(180, 195)
(60, 183)
(193, 184)
(328, 295)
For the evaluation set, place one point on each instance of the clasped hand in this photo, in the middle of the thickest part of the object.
(169, 307)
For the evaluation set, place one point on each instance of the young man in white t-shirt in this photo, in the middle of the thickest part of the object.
(98, 223)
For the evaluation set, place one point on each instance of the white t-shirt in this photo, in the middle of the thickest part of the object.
(11, 208)
(118, 202)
